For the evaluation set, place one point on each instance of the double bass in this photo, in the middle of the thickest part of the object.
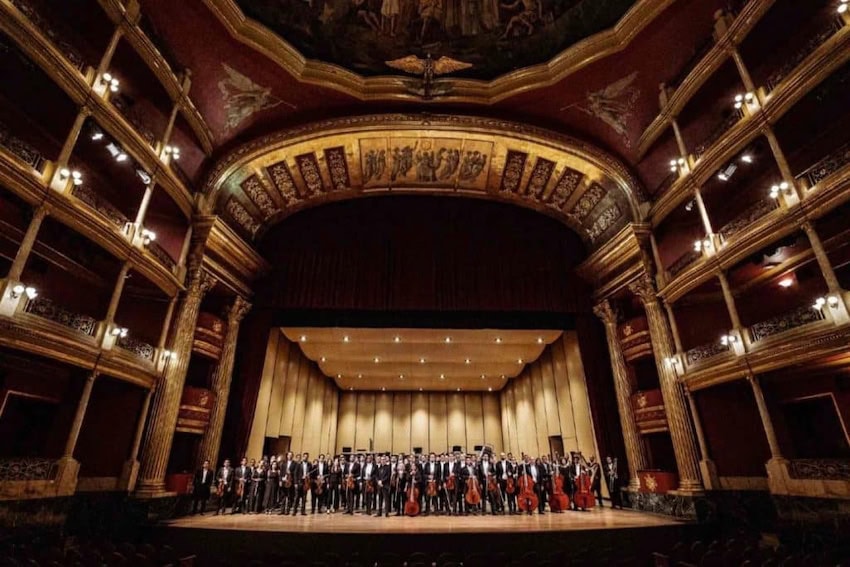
(473, 493)
(584, 491)
(558, 501)
(411, 506)
(527, 499)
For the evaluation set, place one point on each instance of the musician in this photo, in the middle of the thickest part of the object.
(430, 474)
(531, 468)
(468, 471)
(612, 476)
(505, 469)
(301, 479)
(334, 479)
(272, 487)
(350, 476)
(201, 484)
(382, 480)
(487, 472)
(367, 474)
(398, 485)
(443, 495)
(287, 486)
(319, 477)
(258, 483)
(242, 476)
(574, 475)
(594, 470)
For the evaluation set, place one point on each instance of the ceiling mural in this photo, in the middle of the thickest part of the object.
(262, 182)
(483, 38)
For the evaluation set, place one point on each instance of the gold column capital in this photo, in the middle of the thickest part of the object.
(607, 312)
(238, 310)
(644, 288)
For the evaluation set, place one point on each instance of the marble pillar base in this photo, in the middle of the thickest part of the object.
(163, 506)
(678, 505)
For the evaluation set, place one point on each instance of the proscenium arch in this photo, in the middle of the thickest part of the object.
(264, 181)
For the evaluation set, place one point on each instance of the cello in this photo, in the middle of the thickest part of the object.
(473, 493)
(584, 491)
(558, 501)
(411, 507)
(527, 499)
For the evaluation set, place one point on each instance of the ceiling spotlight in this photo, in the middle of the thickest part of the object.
(483, 376)
(467, 361)
(519, 361)
(786, 282)
(502, 376)
(322, 359)
(726, 173)
(148, 236)
(747, 158)
(489, 389)
(144, 176)
(499, 340)
(690, 205)
(843, 6)
(420, 389)
(401, 376)
(442, 376)
(421, 361)
(96, 133)
(396, 339)
(359, 376)
(448, 339)
(339, 375)
(346, 338)
(540, 340)
(303, 338)
(350, 388)
(116, 152)
(383, 388)
(377, 360)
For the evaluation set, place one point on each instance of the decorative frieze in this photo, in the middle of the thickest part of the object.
(308, 165)
(827, 166)
(702, 353)
(588, 201)
(61, 44)
(282, 178)
(799, 317)
(27, 468)
(819, 469)
(242, 217)
(567, 184)
(604, 222)
(514, 168)
(253, 187)
(540, 175)
(338, 168)
(139, 348)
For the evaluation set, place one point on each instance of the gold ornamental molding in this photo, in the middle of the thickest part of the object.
(266, 180)
(327, 75)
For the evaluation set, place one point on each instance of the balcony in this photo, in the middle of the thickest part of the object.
(702, 353)
(46, 309)
(21, 150)
(826, 166)
(100, 206)
(724, 126)
(750, 215)
(799, 317)
(71, 53)
(138, 348)
(685, 260)
(650, 416)
(125, 107)
(792, 62)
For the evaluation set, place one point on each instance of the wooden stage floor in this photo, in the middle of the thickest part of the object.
(595, 519)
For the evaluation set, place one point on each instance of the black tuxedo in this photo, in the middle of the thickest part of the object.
(320, 470)
(224, 481)
(350, 470)
(302, 471)
(505, 470)
(201, 484)
(242, 479)
(382, 487)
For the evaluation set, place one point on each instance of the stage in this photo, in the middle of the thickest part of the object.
(324, 538)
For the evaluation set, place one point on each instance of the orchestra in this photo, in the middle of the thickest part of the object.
(446, 484)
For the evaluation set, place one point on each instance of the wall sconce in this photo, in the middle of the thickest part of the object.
(96, 134)
(144, 176)
(843, 6)
(172, 151)
(116, 152)
(742, 99)
(27, 290)
(728, 339)
(783, 188)
(702, 245)
(831, 300)
(672, 361)
(109, 81)
(167, 355)
(678, 165)
(119, 332)
(148, 236)
(65, 173)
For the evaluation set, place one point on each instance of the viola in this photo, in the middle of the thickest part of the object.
(320, 484)
(492, 485)
(510, 485)
(349, 482)
(411, 507)
(287, 481)
(527, 499)
(450, 483)
(306, 484)
(370, 487)
(473, 494)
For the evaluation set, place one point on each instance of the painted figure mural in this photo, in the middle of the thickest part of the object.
(362, 35)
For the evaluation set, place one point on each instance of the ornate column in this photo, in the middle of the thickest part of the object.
(166, 403)
(680, 140)
(681, 431)
(634, 448)
(221, 379)
(703, 212)
(707, 466)
(821, 257)
(68, 467)
(131, 467)
(767, 423)
(27, 243)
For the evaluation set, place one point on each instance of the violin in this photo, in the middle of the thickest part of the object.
(450, 483)
(287, 481)
(431, 490)
(473, 494)
(527, 498)
(492, 485)
(510, 485)
(370, 486)
(349, 482)
(411, 507)
(320, 484)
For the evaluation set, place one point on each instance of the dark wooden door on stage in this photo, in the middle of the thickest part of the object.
(277, 446)
(556, 446)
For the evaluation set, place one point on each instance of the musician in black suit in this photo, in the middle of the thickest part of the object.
(382, 486)
(431, 470)
(613, 478)
(287, 486)
(574, 475)
(319, 475)
(486, 471)
(301, 479)
(505, 469)
(350, 477)
(201, 484)
(457, 468)
(242, 486)
(224, 481)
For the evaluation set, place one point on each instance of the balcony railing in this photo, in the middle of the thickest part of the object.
(799, 317)
(827, 166)
(153, 35)
(59, 42)
(718, 132)
(161, 256)
(46, 309)
(125, 107)
(748, 217)
(139, 348)
(27, 468)
(819, 469)
(683, 262)
(100, 205)
(21, 149)
(791, 62)
(703, 352)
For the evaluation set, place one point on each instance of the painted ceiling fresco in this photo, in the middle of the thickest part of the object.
(487, 38)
